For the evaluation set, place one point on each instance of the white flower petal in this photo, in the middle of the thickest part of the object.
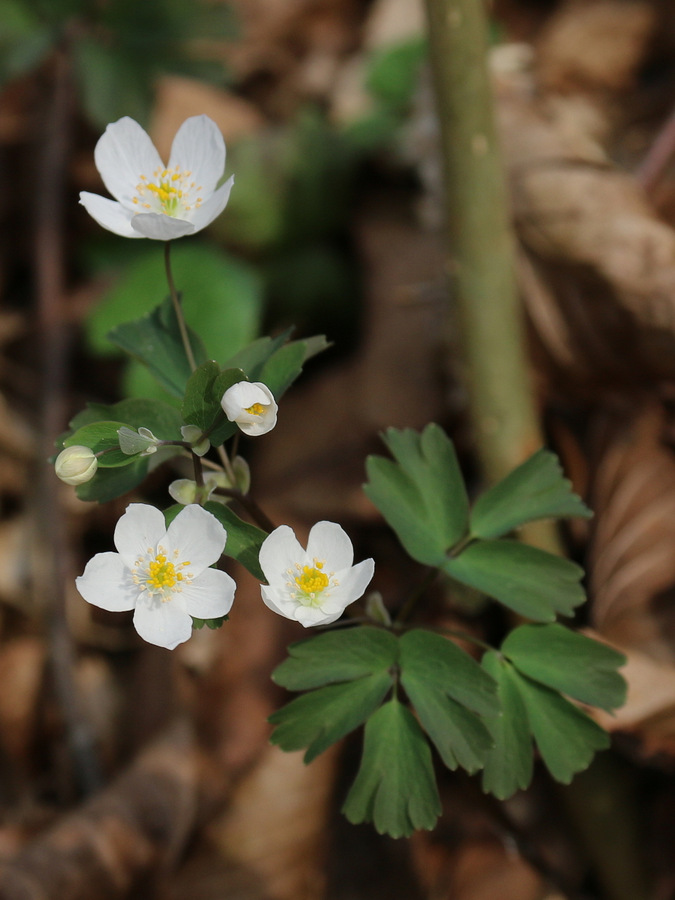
(212, 208)
(199, 147)
(123, 153)
(329, 541)
(106, 582)
(160, 227)
(109, 214)
(309, 616)
(210, 596)
(165, 624)
(279, 552)
(275, 602)
(140, 529)
(197, 536)
(353, 582)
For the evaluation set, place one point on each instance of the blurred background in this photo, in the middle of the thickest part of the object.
(127, 771)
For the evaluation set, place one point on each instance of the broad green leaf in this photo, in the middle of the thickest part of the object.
(340, 655)
(243, 539)
(566, 737)
(101, 437)
(568, 662)
(253, 357)
(529, 581)
(436, 663)
(421, 495)
(111, 84)
(508, 766)
(283, 367)
(155, 341)
(221, 295)
(395, 788)
(537, 489)
(320, 718)
(393, 72)
(108, 484)
(163, 420)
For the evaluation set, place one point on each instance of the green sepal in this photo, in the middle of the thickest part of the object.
(537, 489)
(395, 787)
(340, 655)
(155, 340)
(321, 717)
(243, 539)
(422, 494)
(529, 581)
(568, 662)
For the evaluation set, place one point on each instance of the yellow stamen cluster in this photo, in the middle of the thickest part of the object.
(312, 581)
(256, 410)
(170, 193)
(158, 575)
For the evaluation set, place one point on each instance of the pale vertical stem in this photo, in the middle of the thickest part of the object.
(481, 259)
(178, 309)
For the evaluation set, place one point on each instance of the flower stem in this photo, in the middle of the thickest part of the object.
(177, 307)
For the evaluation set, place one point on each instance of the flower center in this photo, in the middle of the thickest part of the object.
(311, 580)
(158, 575)
(256, 410)
(170, 192)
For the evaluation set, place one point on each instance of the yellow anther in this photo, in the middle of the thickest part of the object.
(256, 410)
(311, 581)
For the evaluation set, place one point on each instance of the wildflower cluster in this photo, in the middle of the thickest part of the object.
(411, 688)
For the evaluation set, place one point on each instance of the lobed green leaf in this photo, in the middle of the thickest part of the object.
(339, 655)
(395, 788)
(529, 581)
(421, 495)
(321, 717)
(568, 662)
(537, 489)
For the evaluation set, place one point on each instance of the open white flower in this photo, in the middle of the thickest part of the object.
(153, 200)
(312, 586)
(252, 406)
(162, 574)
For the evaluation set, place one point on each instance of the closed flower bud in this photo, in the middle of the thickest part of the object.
(75, 465)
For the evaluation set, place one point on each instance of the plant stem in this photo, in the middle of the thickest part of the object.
(481, 246)
(177, 307)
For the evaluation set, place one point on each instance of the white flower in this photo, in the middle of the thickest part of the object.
(153, 200)
(75, 465)
(252, 406)
(312, 586)
(162, 574)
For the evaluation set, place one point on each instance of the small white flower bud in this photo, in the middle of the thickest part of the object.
(252, 406)
(191, 434)
(75, 465)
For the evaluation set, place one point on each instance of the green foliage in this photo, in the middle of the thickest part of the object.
(421, 495)
(101, 437)
(537, 664)
(393, 73)
(395, 787)
(201, 403)
(529, 581)
(243, 539)
(24, 39)
(537, 489)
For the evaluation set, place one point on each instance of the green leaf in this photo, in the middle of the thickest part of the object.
(101, 437)
(435, 662)
(243, 539)
(395, 788)
(422, 495)
(213, 624)
(393, 74)
(108, 484)
(155, 341)
(537, 489)
(508, 765)
(339, 655)
(111, 83)
(529, 581)
(442, 681)
(203, 393)
(253, 357)
(283, 367)
(568, 662)
(566, 737)
(221, 295)
(320, 718)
